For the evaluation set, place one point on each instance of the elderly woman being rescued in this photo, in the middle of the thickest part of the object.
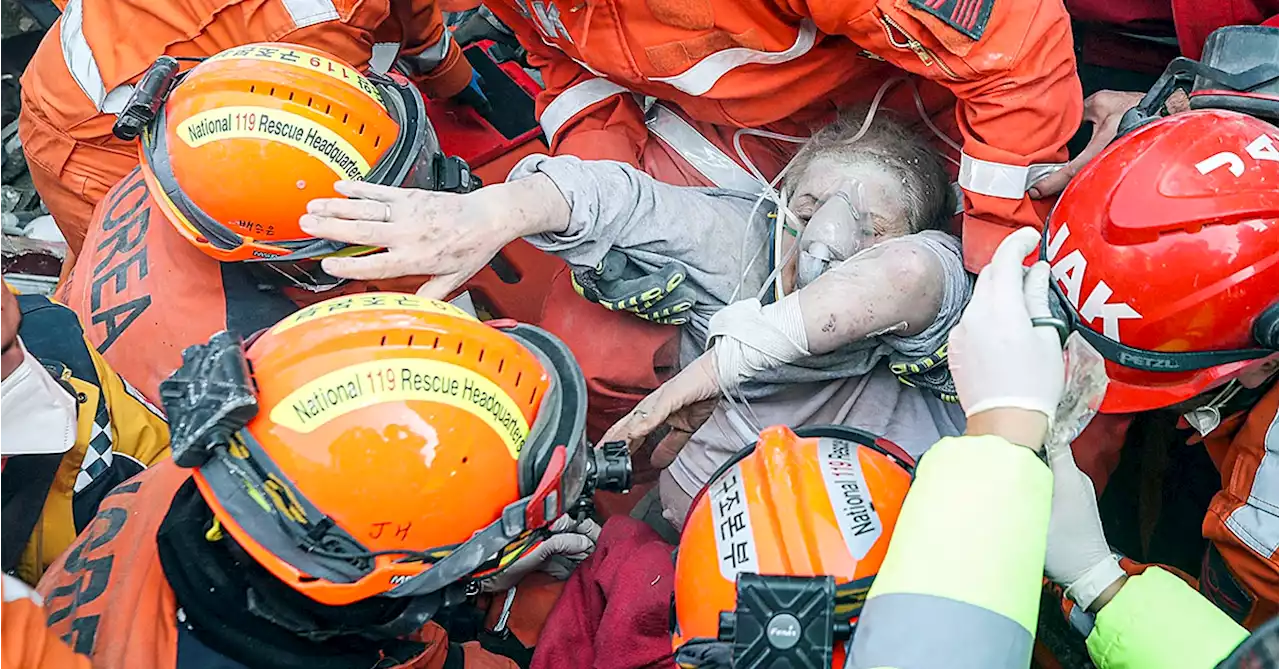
(849, 327)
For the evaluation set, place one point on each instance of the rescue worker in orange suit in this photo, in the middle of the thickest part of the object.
(1004, 73)
(88, 64)
(175, 255)
(203, 235)
(1194, 329)
(339, 482)
(1123, 46)
(72, 429)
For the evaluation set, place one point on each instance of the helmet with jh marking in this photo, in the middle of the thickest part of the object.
(244, 140)
(780, 549)
(1164, 255)
(385, 445)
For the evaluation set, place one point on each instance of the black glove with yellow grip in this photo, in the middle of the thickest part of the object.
(618, 284)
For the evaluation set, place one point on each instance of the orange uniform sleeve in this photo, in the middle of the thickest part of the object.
(440, 72)
(581, 114)
(1012, 69)
(433, 59)
(28, 644)
(350, 43)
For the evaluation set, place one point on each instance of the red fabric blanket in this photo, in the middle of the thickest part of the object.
(615, 609)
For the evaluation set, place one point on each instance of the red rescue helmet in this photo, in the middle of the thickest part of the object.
(780, 549)
(1164, 255)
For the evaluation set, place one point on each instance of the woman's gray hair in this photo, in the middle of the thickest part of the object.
(889, 144)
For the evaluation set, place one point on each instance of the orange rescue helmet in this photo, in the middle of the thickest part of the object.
(248, 137)
(780, 549)
(385, 444)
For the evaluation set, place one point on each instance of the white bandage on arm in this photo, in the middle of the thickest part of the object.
(747, 338)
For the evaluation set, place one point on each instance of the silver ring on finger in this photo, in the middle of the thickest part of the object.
(386, 213)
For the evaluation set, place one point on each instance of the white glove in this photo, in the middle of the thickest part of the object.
(14, 590)
(1077, 556)
(571, 542)
(996, 357)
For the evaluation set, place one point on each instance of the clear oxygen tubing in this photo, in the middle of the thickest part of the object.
(744, 418)
(783, 216)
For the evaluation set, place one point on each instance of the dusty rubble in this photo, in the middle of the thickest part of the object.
(32, 249)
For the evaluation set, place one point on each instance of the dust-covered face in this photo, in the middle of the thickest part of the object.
(844, 208)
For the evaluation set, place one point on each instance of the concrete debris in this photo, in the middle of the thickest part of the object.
(15, 20)
(33, 249)
(31, 265)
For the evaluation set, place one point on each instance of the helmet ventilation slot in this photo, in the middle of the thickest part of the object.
(311, 104)
(253, 379)
(477, 358)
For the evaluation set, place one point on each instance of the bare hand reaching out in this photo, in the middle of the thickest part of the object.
(1104, 110)
(684, 403)
(446, 235)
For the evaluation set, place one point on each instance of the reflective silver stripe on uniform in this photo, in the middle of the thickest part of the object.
(548, 16)
(141, 399)
(698, 151)
(699, 79)
(431, 57)
(1257, 523)
(83, 66)
(573, 101)
(915, 631)
(1001, 179)
(310, 12)
(383, 56)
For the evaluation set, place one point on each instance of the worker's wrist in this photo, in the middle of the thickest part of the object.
(533, 205)
(1023, 427)
(1108, 593)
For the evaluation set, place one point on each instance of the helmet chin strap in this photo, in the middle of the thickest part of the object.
(237, 608)
(1230, 399)
(1207, 417)
(317, 281)
(416, 612)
